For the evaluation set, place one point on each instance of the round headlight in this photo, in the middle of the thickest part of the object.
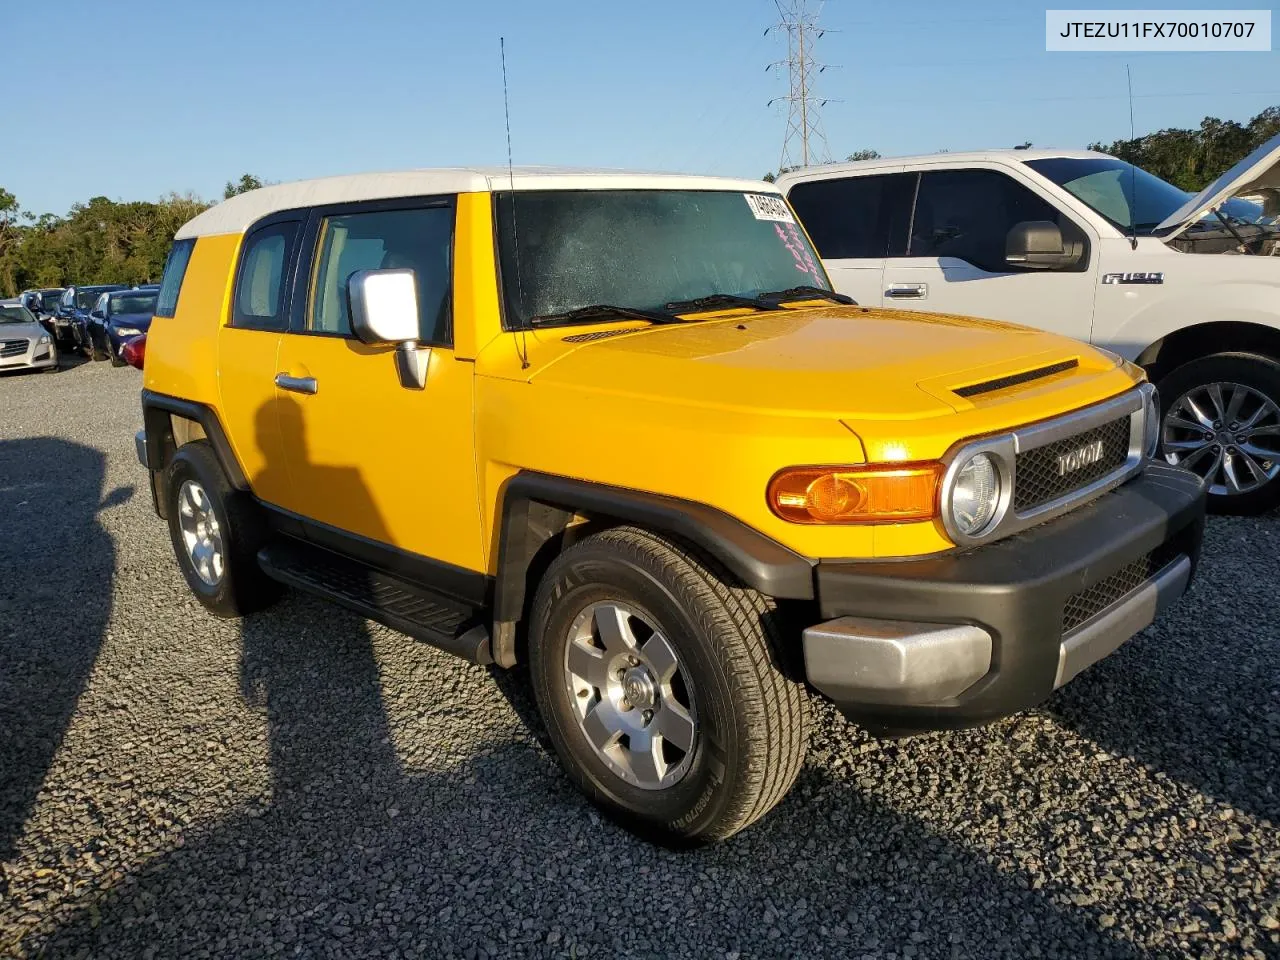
(975, 495)
(1151, 423)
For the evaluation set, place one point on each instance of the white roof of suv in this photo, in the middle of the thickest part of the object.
(828, 170)
(238, 213)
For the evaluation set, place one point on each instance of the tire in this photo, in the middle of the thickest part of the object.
(239, 586)
(92, 350)
(750, 734)
(1259, 376)
(114, 356)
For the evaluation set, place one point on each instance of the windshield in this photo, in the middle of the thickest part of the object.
(86, 297)
(138, 303)
(12, 313)
(563, 250)
(49, 300)
(1110, 187)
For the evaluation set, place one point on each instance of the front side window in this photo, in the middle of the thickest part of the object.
(566, 249)
(967, 214)
(420, 240)
(856, 217)
(260, 286)
(175, 269)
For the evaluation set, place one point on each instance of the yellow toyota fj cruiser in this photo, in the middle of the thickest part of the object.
(618, 430)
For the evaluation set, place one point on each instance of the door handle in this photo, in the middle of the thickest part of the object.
(908, 291)
(296, 384)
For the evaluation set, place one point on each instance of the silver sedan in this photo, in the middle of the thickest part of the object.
(24, 343)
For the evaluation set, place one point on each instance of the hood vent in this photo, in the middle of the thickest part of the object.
(1015, 379)
(598, 335)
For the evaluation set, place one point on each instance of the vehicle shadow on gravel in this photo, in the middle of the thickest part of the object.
(56, 568)
(356, 856)
(1194, 696)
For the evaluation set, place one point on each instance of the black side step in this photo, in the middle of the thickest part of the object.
(379, 596)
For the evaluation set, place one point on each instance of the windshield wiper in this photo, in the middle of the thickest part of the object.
(717, 301)
(807, 293)
(602, 311)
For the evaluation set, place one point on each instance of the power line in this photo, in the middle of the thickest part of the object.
(799, 21)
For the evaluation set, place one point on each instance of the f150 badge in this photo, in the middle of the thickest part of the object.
(1080, 457)
(1133, 278)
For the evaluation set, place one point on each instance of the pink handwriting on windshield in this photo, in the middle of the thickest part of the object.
(800, 250)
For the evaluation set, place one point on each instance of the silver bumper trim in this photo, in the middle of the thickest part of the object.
(1107, 631)
(895, 662)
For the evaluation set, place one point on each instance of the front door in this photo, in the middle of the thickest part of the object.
(366, 455)
(955, 259)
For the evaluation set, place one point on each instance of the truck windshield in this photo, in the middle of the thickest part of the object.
(562, 250)
(1128, 196)
(1110, 187)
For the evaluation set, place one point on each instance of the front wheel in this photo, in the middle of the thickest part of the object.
(92, 347)
(661, 685)
(1221, 419)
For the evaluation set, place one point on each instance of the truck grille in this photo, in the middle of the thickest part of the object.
(1086, 604)
(13, 348)
(1040, 478)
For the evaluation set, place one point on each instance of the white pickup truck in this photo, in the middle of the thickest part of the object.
(1086, 245)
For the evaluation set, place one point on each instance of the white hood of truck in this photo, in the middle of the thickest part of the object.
(1258, 171)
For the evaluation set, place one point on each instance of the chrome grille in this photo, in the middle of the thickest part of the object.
(1088, 603)
(1040, 478)
(13, 348)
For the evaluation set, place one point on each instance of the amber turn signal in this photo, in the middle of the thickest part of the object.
(880, 493)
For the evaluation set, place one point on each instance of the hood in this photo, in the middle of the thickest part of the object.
(1259, 171)
(139, 320)
(841, 362)
(22, 330)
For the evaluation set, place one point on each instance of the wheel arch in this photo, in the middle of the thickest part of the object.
(169, 423)
(539, 510)
(1203, 339)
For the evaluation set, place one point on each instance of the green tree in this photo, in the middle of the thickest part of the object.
(246, 183)
(863, 155)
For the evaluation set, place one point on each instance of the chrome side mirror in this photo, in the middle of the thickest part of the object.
(383, 305)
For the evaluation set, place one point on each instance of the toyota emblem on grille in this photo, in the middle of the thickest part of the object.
(1080, 457)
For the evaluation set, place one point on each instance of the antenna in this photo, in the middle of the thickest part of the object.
(1133, 169)
(804, 123)
(523, 344)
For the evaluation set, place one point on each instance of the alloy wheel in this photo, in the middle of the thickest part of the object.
(201, 533)
(1228, 433)
(630, 695)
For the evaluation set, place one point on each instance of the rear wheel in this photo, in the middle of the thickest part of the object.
(1221, 419)
(661, 685)
(215, 535)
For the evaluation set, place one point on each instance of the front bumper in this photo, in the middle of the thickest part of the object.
(965, 638)
(37, 356)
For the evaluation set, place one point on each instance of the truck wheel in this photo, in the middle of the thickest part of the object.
(1221, 419)
(215, 535)
(659, 682)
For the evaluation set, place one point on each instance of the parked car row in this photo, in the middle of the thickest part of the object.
(97, 320)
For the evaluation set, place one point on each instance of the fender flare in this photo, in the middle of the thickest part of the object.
(156, 408)
(538, 506)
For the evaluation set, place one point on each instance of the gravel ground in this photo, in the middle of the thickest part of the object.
(305, 783)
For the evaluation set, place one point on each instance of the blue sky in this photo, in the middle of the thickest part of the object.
(201, 92)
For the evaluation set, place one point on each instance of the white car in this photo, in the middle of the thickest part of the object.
(24, 343)
(1188, 287)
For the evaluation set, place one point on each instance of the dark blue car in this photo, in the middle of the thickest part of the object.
(73, 311)
(117, 318)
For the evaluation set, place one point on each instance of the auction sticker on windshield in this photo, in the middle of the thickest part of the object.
(766, 207)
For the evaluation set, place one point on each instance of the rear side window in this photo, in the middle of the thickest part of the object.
(420, 240)
(967, 214)
(260, 285)
(856, 217)
(175, 268)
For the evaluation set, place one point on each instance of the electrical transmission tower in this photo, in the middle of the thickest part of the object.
(799, 21)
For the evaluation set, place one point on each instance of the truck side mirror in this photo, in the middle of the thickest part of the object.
(383, 305)
(1039, 245)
